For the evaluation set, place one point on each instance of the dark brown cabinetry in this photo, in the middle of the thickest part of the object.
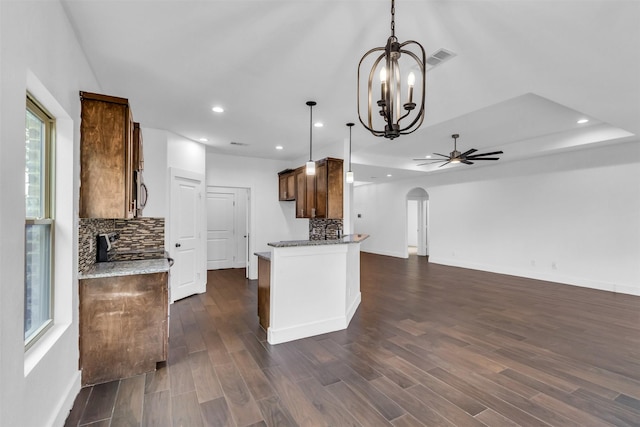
(106, 157)
(123, 326)
(264, 291)
(329, 188)
(320, 196)
(287, 185)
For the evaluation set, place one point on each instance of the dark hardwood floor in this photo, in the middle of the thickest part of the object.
(430, 345)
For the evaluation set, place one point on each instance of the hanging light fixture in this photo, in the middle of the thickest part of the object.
(397, 119)
(311, 165)
(349, 176)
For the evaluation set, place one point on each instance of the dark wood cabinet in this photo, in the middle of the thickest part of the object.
(138, 154)
(264, 292)
(319, 195)
(123, 326)
(287, 185)
(305, 194)
(106, 157)
(329, 188)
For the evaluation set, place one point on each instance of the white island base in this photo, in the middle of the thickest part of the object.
(314, 289)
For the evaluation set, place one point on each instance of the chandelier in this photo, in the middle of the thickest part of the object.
(397, 118)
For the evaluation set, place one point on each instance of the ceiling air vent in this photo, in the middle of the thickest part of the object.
(239, 144)
(439, 56)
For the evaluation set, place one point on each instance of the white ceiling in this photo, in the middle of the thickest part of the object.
(523, 74)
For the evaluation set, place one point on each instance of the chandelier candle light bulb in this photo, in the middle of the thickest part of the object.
(387, 62)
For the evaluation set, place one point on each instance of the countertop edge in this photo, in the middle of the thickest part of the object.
(345, 240)
(125, 268)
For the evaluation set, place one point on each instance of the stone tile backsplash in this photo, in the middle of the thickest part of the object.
(139, 238)
(325, 229)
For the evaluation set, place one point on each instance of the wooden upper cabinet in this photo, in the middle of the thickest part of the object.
(138, 155)
(320, 196)
(287, 185)
(329, 188)
(301, 192)
(106, 157)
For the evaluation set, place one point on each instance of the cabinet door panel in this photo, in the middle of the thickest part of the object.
(321, 189)
(301, 192)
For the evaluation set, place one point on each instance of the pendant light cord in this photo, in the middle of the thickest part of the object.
(310, 132)
(393, 18)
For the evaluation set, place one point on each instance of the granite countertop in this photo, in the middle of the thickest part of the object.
(125, 268)
(349, 238)
(263, 255)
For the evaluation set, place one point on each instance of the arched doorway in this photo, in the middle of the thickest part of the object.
(418, 222)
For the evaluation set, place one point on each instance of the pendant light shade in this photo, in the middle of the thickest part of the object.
(349, 176)
(311, 165)
(394, 64)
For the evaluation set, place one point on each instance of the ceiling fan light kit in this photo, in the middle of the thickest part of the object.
(397, 118)
(456, 157)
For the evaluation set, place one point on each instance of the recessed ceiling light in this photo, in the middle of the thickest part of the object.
(217, 109)
(279, 147)
(389, 175)
(581, 121)
(318, 124)
(203, 140)
(428, 156)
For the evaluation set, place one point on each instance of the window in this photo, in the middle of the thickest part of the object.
(39, 222)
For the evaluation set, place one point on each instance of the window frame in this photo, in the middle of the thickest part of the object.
(48, 214)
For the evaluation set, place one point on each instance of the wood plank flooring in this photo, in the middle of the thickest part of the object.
(430, 345)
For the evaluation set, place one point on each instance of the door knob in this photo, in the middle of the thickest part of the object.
(178, 245)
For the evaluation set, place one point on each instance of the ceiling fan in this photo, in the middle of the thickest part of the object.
(456, 157)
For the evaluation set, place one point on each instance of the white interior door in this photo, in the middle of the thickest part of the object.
(220, 229)
(227, 227)
(188, 276)
(241, 256)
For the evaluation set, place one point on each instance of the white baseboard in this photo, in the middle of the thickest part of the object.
(386, 253)
(66, 403)
(351, 310)
(296, 332)
(548, 277)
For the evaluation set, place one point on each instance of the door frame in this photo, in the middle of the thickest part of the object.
(247, 219)
(170, 229)
(422, 197)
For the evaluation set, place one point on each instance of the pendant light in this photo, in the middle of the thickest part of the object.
(349, 176)
(388, 67)
(311, 165)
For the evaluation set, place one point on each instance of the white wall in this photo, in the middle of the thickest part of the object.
(270, 220)
(155, 173)
(37, 388)
(570, 218)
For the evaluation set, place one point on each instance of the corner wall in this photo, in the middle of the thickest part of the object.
(37, 388)
(569, 218)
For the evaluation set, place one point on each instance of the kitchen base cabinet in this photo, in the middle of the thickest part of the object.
(123, 326)
(264, 291)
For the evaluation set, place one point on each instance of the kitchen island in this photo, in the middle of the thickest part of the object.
(308, 287)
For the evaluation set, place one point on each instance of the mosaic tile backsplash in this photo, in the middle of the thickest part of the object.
(139, 238)
(325, 229)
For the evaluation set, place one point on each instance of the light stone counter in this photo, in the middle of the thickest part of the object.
(125, 268)
(349, 238)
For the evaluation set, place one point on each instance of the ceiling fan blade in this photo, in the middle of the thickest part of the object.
(431, 162)
(485, 158)
(438, 154)
(487, 154)
(466, 153)
(445, 163)
(466, 162)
